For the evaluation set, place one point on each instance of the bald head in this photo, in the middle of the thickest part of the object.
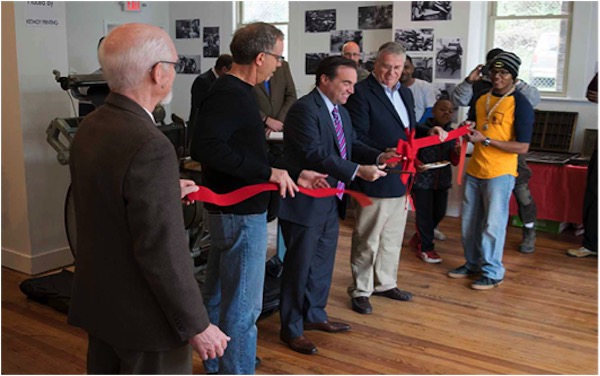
(351, 50)
(130, 51)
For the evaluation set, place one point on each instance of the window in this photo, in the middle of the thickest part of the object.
(539, 33)
(274, 12)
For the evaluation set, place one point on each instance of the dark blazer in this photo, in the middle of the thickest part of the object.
(378, 125)
(199, 90)
(283, 94)
(310, 143)
(134, 283)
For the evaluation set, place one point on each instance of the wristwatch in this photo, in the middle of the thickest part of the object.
(486, 142)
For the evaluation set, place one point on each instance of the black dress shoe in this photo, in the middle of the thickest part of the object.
(257, 362)
(395, 294)
(301, 344)
(362, 305)
(327, 326)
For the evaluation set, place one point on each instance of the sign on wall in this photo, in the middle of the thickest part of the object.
(41, 13)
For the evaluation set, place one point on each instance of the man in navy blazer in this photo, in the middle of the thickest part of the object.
(382, 111)
(315, 139)
(203, 82)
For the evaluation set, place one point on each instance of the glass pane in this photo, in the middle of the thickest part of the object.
(532, 8)
(265, 11)
(541, 45)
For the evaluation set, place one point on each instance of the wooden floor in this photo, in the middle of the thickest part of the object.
(542, 320)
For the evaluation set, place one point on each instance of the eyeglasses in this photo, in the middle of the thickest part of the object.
(351, 54)
(279, 58)
(501, 73)
(174, 63)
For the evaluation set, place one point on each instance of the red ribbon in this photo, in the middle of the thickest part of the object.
(408, 150)
(227, 199)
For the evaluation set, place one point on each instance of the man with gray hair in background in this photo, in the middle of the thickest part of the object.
(229, 142)
(134, 291)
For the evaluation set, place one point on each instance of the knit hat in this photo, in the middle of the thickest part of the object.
(493, 53)
(508, 61)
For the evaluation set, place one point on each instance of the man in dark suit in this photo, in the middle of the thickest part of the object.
(318, 136)
(134, 290)
(204, 81)
(382, 112)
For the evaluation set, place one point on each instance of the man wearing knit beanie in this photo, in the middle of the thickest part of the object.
(503, 126)
(508, 61)
(465, 94)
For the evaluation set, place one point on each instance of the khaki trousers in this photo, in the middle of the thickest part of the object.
(376, 244)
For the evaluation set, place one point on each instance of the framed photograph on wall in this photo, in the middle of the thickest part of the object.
(415, 39)
(185, 29)
(448, 58)
(313, 60)
(318, 21)
(188, 64)
(431, 11)
(375, 17)
(423, 68)
(339, 37)
(212, 42)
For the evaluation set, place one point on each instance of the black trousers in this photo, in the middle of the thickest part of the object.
(590, 206)
(527, 207)
(430, 206)
(105, 359)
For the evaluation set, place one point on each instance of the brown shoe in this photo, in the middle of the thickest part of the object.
(301, 344)
(395, 294)
(327, 326)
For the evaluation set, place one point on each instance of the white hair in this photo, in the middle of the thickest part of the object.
(125, 69)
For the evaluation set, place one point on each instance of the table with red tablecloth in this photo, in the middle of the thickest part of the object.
(558, 192)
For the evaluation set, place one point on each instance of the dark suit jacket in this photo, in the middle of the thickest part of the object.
(377, 124)
(134, 284)
(283, 94)
(310, 143)
(199, 90)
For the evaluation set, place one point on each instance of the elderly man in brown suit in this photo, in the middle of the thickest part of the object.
(134, 290)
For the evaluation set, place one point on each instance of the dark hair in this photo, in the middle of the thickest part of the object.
(409, 59)
(224, 60)
(99, 43)
(253, 39)
(329, 65)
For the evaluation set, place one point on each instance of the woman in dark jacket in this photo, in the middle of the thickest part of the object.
(432, 182)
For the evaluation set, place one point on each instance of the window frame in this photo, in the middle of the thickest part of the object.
(239, 15)
(491, 30)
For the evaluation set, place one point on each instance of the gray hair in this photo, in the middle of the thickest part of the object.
(253, 39)
(391, 48)
(125, 68)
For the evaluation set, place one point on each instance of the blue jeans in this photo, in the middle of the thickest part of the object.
(484, 220)
(233, 290)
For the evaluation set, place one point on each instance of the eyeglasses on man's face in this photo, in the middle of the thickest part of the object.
(279, 58)
(502, 73)
(351, 54)
(174, 63)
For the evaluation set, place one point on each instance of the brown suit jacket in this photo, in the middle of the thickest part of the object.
(134, 285)
(283, 94)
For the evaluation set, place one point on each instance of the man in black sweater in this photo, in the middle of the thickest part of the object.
(230, 144)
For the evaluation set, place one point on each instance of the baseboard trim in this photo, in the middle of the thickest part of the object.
(37, 264)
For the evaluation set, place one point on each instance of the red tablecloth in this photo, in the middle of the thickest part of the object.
(558, 192)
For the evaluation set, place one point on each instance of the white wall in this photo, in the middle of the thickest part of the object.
(211, 14)
(301, 43)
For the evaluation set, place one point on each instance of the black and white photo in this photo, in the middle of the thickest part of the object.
(431, 11)
(212, 42)
(313, 60)
(185, 29)
(423, 68)
(188, 64)
(415, 39)
(318, 21)
(375, 17)
(339, 37)
(448, 58)
(368, 61)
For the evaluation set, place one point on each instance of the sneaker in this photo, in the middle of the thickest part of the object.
(528, 243)
(581, 252)
(438, 235)
(460, 272)
(430, 257)
(486, 283)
